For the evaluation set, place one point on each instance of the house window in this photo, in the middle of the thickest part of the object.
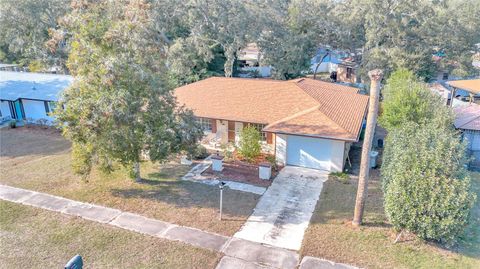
(259, 127)
(52, 106)
(349, 72)
(205, 123)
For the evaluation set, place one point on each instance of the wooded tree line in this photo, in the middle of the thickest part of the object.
(203, 37)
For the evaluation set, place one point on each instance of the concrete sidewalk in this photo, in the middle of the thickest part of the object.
(239, 253)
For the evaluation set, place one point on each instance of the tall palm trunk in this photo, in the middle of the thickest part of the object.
(375, 77)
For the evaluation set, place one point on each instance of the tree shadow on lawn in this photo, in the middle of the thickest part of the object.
(186, 194)
(31, 141)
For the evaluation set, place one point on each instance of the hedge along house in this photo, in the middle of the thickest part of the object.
(30, 96)
(308, 123)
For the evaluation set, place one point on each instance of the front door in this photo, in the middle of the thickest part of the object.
(18, 110)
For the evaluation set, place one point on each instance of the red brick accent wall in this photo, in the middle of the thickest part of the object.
(214, 125)
(269, 138)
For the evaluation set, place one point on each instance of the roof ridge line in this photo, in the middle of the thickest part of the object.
(320, 104)
(295, 115)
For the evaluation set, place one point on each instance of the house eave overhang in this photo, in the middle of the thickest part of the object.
(316, 136)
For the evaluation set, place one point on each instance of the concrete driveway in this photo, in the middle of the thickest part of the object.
(283, 213)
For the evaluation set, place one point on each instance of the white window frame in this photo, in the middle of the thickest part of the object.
(205, 123)
(259, 127)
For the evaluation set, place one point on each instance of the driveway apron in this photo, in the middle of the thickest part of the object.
(283, 213)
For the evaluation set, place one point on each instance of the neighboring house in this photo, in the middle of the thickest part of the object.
(28, 96)
(249, 62)
(308, 123)
(469, 87)
(329, 63)
(347, 72)
(445, 91)
(467, 120)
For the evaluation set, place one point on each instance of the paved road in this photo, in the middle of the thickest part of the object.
(283, 213)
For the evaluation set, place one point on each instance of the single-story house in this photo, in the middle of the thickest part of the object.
(467, 120)
(308, 123)
(329, 63)
(471, 87)
(30, 96)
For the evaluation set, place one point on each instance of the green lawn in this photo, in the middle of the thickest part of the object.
(331, 236)
(40, 160)
(36, 238)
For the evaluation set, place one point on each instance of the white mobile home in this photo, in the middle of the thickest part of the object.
(30, 96)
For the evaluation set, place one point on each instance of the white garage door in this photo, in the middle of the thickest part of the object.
(309, 152)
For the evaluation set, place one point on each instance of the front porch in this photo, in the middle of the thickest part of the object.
(223, 135)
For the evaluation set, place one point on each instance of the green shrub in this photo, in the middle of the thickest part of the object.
(13, 124)
(340, 176)
(426, 186)
(200, 152)
(250, 147)
(227, 153)
(273, 162)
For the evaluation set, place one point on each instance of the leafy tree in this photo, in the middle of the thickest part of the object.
(223, 23)
(250, 147)
(392, 34)
(406, 99)
(120, 105)
(25, 29)
(189, 61)
(288, 40)
(426, 186)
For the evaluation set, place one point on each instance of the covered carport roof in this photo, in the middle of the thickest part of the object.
(471, 85)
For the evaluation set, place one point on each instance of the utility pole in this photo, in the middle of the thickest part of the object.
(375, 78)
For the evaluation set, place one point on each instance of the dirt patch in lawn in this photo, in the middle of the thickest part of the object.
(36, 238)
(241, 172)
(40, 160)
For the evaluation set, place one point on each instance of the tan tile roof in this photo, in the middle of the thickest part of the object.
(302, 106)
(471, 85)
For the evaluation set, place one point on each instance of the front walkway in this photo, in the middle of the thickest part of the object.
(283, 213)
(195, 175)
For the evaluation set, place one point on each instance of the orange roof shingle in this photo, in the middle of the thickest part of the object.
(301, 106)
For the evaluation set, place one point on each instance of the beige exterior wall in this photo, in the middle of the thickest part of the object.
(342, 74)
(337, 155)
(281, 149)
(238, 131)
